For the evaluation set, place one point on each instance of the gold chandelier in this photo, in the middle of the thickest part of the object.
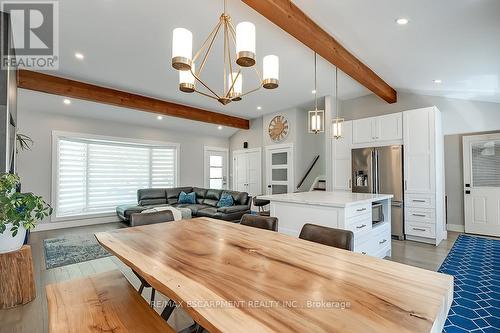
(243, 40)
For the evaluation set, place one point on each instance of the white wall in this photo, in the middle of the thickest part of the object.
(34, 166)
(459, 116)
(306, 145)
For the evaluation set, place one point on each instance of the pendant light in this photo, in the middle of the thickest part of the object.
(337, 122)
(316, 118)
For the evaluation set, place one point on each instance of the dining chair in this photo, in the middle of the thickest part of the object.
(261, 222)
(342, 239)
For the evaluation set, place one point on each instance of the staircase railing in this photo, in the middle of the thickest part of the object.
(315, 159)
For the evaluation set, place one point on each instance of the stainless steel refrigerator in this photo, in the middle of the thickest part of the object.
(380, 170)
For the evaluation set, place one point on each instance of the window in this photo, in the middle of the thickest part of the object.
(93, 175)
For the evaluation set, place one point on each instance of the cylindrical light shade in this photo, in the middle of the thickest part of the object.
(187, 80)
(271, 69)
(235, 93)
(245, 44)
(182, 49)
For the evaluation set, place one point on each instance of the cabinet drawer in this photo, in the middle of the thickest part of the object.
(420, 229)
(382, 237)
(359, 224)
(420, 215)
(356, 210)
(419, 200)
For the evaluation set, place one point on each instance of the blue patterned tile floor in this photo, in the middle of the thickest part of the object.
(475, 264)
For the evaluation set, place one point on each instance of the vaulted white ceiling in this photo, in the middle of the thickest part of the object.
(127, 45)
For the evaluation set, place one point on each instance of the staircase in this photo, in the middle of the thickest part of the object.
(319, 184)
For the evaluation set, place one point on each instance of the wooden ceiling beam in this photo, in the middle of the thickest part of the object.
(289, 17)
(70, 88)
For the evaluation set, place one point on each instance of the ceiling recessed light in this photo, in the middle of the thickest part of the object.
(259, 108)
(437, 81)
(402, 21)
(159, 117)
(314, 91)
(219, 127)
(67, 101)
(79, 56)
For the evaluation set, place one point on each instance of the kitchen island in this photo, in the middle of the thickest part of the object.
(341, 210)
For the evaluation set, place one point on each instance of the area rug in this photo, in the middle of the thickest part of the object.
(475, 264)
(69, 250)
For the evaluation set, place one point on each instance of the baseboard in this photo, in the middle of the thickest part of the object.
(74, 223)
(455, 227)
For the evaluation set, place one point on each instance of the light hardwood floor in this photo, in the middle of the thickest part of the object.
(32, 317)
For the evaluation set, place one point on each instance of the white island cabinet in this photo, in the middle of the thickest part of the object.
(341, 210)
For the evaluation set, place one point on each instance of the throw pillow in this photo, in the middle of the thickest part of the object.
(225, 201)
(187, 198)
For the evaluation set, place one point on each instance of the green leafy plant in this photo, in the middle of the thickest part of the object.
(24, 209)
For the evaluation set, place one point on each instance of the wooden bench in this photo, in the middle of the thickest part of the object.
(101, 303)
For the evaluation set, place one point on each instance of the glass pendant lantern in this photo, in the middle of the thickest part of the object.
(316, 118)
(337, 122)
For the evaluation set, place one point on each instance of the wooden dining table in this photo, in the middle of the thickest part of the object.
(235, 278)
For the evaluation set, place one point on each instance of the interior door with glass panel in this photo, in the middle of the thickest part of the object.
(482, 184)
(216, 169)
(279, 173)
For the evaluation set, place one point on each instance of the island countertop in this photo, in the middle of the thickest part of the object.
(330, 199)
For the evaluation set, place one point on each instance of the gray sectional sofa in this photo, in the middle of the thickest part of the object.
(206, 203)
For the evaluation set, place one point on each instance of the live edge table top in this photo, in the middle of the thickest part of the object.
(234, 278)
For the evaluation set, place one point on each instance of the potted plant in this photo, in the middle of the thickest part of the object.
(18, 212)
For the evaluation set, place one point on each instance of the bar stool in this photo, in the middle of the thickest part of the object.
(261, 203)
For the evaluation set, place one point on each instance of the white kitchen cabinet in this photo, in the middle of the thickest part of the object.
(341, 155)
(382, 130)
(389, 127)
(247, 170)
(363, 131)
(424, 175)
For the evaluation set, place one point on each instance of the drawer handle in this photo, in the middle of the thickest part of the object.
(382, 242)
(419, 229)
(414, 200)
(360, 209)
(419, 215)
(363, 252)
(360, 226)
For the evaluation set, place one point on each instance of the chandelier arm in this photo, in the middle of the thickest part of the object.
(258, 74)
(233, 79)
(205, 94)
(226, 51)
(209, 48)
(209, 37)
(251, 91)
(203, 83)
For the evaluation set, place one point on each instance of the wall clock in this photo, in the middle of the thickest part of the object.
(278, 128)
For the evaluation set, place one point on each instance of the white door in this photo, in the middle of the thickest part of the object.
(419, 156)
(216, 168)
(389, 127)
(279, 169)
(341, 154)
(482, 184)
(363, 131)
(247, 171)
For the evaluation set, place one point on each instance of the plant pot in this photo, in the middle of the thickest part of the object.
(9, 243)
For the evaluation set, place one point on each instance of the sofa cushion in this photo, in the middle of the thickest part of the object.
(187, 198)
(226, 200)
(173, 193)
(208, 212)
(193, 207)
(124, 211)
(231, 215)
(239, 198)
(200, 194)
(151, 196)
(212, 197)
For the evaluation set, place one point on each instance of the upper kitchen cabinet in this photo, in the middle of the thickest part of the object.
(383, 130)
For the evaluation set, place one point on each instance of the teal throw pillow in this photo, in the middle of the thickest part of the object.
(187, 198)
(225, 201)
